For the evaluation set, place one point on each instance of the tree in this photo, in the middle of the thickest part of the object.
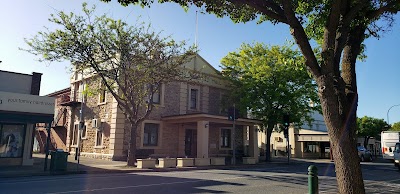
(368, 127)
(395, 127)
(131, 62)
(340, 28)
(271, 82)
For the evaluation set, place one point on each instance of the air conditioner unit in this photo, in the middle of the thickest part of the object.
(94, 123)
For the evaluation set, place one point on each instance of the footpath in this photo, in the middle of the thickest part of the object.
(97, 166)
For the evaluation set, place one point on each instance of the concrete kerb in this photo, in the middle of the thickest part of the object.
(122, 170)
(94, 168)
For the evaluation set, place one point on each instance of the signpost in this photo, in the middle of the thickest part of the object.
(233, 114)
(81, 126)
(286, 123)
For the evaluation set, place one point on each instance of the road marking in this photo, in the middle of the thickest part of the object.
(68, 178)
(148, 185)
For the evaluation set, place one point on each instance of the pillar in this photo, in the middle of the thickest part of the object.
(253, 142)
(202, 139)
(27, 153)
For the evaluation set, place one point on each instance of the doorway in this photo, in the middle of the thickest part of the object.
(191, 143)
(325, 150)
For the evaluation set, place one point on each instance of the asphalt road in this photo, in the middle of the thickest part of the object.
(379, 177)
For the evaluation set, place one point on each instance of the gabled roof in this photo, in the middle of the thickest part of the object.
(200, 64)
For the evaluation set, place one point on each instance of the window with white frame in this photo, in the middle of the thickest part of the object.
(79, 87)
(99, 138)
(75, 134)
(156, 94)
(226, 138)
(102, 93)
(84, 132)
(157, 90)
(194, 98)
(150, 134)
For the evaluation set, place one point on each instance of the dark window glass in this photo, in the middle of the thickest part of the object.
(193, 98)
(150, 136)
(225, 138)
(11, 140)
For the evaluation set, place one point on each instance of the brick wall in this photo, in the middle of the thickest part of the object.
(35, 85)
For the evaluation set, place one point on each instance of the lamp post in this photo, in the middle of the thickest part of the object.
(387, 114)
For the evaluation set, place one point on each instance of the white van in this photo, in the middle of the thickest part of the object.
(388, 142)
(396, 155)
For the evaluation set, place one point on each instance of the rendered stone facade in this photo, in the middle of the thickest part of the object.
(182, 130)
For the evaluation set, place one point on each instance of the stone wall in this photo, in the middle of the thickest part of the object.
(215, 101)
(92, 109)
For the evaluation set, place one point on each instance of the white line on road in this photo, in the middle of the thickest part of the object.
(148, 185)
(68, 178)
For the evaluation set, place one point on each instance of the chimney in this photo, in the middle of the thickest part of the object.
(35, 86)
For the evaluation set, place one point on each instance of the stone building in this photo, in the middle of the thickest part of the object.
(307, 141)
(188, 121)
(21, 108)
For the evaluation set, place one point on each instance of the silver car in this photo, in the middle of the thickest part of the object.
(364, 154)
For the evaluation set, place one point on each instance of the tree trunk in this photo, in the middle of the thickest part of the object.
(132, 146)
(340, 121)
(270, 127)
(339, 98)
(366, 139)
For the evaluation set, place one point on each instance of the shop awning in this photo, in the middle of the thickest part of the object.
(26, 117)
(313, 137)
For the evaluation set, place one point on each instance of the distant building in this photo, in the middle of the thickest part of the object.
(21, 108)
(308, 141)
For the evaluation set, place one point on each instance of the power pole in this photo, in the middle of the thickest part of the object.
(81, 125)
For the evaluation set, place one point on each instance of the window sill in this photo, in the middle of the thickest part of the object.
(101, 103)
(149, 147)
(98, 147)
(224, 148)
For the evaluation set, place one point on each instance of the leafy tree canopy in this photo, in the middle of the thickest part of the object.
(395, 126)
(271, 81)
(368, 127)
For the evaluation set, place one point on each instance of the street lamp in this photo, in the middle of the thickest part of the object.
(387, 114)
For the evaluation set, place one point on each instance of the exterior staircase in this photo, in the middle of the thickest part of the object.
(58, 132)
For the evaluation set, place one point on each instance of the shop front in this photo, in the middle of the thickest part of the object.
(18, 115)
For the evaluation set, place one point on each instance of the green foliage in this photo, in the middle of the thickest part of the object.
(124, 57)
(370, 127)
(395, 126)
(271, 81)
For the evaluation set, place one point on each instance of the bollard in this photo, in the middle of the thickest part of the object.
(312, 179)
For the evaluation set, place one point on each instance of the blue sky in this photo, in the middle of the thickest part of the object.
(378, 77)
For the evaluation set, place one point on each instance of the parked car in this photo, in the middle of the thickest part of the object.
(364, 154)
